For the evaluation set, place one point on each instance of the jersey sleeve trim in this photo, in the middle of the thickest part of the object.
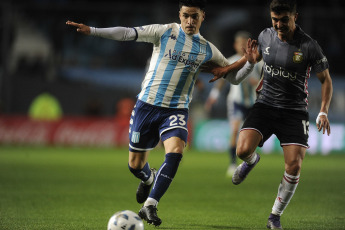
(136, 34)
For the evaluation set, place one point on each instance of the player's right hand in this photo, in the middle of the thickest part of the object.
(81, 28)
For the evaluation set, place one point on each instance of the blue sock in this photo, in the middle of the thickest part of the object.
(165, 175)
(143, 174)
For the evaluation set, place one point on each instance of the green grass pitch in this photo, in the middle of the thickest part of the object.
(80, 188)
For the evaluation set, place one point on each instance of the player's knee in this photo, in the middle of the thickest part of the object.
(243, 151)
(136, 161)
(247, 142)
(174, 145)
(134, 164)
(176, 149)
(293, 168)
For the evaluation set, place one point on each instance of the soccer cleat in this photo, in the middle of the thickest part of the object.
(242, 171)
(274, 222)
(143, 190)
(149, 214)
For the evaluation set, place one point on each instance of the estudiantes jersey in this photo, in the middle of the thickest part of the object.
(287, 67)
(174, 66)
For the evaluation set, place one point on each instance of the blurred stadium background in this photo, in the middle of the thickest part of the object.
(58, 87)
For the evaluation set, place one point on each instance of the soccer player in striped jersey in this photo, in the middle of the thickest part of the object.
(281, 108)
(240, 98)
(161, 111)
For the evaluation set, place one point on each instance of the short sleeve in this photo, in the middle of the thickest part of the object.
(319, 61)
(264, 39)
(260, 43)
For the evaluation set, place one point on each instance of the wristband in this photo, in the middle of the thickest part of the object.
(322, 113)
(318, 117)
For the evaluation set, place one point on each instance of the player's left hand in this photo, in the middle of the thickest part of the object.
(81, 28)
(322, 123)
(216, 70)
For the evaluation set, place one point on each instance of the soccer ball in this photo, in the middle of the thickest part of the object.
(125, 220)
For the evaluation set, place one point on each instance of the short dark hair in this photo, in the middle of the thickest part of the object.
(279, 6)
(193, 3)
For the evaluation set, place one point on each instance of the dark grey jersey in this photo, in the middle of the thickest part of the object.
(287, 67)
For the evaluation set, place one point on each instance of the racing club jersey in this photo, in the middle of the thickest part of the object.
(287, 67)
(174, 66)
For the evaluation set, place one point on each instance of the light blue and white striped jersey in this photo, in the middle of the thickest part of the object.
(174, 66)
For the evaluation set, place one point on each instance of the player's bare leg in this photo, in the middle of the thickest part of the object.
(293, 155)
(137, 160)
(247, 142)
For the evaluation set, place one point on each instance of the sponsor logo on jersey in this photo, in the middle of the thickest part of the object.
(182, 57)
(267, 50)
(173, 37)
(297, 57)
(324, 59)
(280, 72)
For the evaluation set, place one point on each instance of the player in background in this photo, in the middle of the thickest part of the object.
(161, 110)
(281, 108)
(240, 98)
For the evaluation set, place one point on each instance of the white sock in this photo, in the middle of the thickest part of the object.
(151, 201)
(251, 158)
(150, 180)
(286, 190)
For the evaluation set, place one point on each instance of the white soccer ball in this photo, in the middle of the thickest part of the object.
(125, 220)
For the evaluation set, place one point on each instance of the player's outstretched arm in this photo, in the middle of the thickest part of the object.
(239, 70)
(219, 72)
(115, 33)
(81, 28)
(322, 121)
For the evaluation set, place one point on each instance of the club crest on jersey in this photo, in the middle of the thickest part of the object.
(297, 57)
(135, 137)
(202, 48)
